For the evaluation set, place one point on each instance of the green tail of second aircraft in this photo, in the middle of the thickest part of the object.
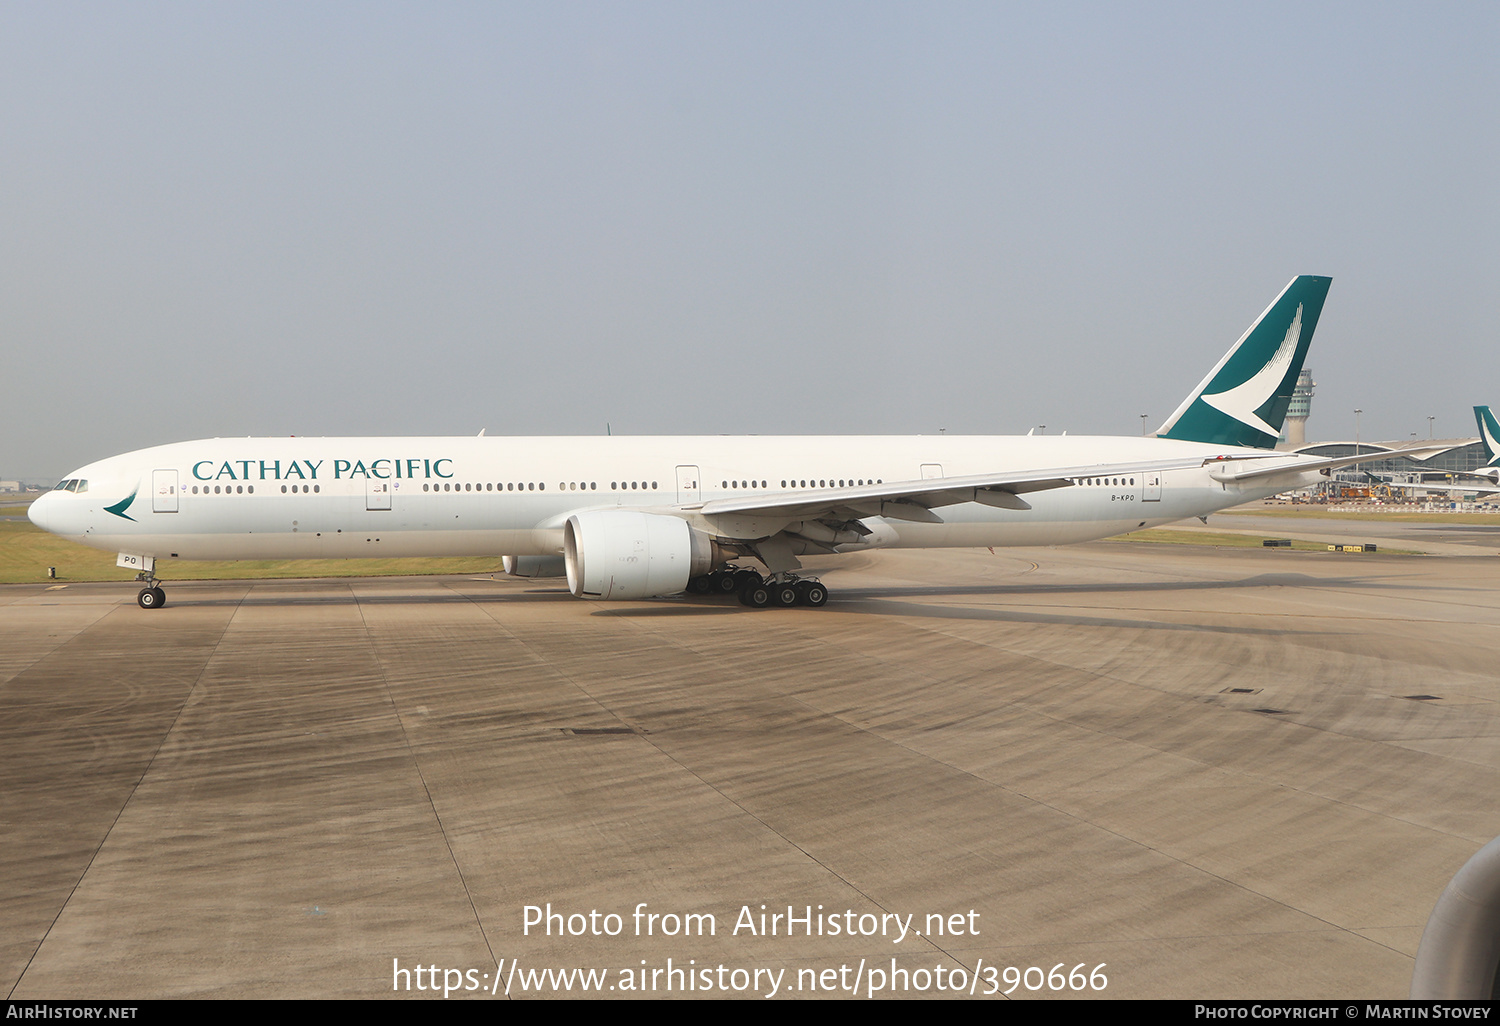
(1244, 399)
(1489, 434)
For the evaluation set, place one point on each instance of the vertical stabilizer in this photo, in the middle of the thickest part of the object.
(1244, 399)
(1489, 434)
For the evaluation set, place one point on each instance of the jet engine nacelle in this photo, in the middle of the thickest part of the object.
(534, 566)
(626, 554)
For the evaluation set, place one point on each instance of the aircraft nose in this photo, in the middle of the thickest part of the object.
(40, 513)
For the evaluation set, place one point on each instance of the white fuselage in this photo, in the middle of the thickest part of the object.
(279, 498)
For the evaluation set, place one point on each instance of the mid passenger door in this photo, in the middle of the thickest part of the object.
(1152, 492)
(377, 494)
(689, 488)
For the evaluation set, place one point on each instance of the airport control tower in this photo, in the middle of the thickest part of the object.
(1297, 412)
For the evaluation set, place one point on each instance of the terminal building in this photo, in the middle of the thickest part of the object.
(1462, 457)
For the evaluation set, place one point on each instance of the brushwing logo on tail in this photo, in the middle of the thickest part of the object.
(1245, 398)
(1241, 401)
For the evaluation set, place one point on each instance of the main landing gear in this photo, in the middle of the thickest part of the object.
(151, 596)
(758, 592)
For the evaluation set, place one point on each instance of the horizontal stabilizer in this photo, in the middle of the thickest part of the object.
(1255, 469)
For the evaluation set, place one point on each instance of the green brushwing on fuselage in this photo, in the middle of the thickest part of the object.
(119, 508)
(1244, 399)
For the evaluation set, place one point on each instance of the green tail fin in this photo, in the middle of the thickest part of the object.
(1489, 434)
(1244, 399)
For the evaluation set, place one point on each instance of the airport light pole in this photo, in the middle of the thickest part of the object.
(1356, 431)
(1143, 424)
(1429, 427)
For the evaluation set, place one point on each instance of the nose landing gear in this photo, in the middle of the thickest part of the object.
(151, 596)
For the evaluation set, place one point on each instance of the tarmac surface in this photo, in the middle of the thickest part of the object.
(1436, 539)
(1219, 773)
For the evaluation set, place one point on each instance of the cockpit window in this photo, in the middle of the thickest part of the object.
(72, 484)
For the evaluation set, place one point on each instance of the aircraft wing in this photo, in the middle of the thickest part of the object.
(915, 500)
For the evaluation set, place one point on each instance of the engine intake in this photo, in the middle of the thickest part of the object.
(626, 554)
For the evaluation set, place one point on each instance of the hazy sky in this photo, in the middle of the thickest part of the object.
(364, 218)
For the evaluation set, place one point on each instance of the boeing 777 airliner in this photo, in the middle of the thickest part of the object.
(633, 518)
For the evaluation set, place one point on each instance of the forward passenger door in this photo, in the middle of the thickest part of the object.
(377, 494)
(164, 491)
